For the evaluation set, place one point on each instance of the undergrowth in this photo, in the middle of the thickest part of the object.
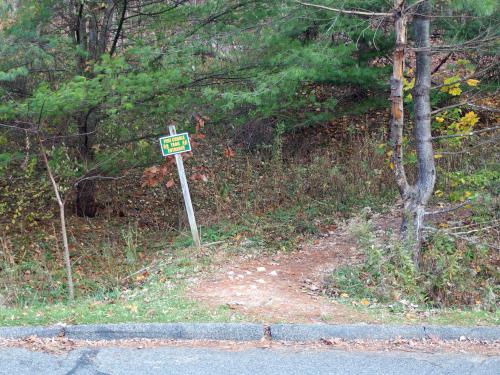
(452, 272)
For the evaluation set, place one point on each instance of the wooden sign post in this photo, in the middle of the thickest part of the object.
(175, 145)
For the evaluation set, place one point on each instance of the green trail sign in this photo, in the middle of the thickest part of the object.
(175, 144)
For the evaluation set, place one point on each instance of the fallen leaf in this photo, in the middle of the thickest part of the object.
(229, 152)
(199, 177)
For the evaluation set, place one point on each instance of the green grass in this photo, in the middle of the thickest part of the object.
(160, 296)
(171, 307)
(155, 301)
(444, 316)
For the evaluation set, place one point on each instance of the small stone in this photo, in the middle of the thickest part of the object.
(261, 269)
(273, 273)
(260, 281)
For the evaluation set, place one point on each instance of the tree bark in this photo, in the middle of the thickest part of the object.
(415, 197)
(426, 172)
(397, 110)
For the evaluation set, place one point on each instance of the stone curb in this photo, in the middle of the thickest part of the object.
(250, 332)
(309, 332)
(167, 331)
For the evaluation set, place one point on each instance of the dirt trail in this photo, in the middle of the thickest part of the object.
(284, 287)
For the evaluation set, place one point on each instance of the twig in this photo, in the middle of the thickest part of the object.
(466, 134)
(357, 12)
(97, 177)
(441, 63)
(449, 209)
(463, 238)
(465, 104)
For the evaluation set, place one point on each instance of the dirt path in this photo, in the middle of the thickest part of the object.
(283, 287)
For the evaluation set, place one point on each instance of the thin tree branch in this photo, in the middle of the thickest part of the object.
(356, 12)
(96, 177)
(119, 30)
(441, 63)
(466, 134)
(448, 209)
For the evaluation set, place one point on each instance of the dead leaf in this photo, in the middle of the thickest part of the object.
(229, 152)
(198, 177)
(170, 183)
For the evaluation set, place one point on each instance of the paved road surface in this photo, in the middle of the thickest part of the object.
(175, 360)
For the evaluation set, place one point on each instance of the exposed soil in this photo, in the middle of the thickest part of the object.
(284, 287)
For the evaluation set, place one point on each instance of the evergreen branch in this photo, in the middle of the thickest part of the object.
(343, 11)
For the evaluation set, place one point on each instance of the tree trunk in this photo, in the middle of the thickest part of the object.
(414, 197)
(60, 202)
(397, 111)
(426, 173)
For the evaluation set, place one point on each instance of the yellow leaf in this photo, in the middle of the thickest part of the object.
(133, 308)
(438, 193)
(443, 225)
(451, 80)
(455, 91)
(438, 156)
(344, 295)
(391, 165)
(439, 119)
(365, 302)
(472, 82)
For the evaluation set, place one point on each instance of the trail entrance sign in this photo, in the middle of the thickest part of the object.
(176, 144)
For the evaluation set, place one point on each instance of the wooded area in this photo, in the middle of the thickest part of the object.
(301, 116)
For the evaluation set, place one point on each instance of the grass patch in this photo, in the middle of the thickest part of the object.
(154, 296)
(391, 314)
(168, 306)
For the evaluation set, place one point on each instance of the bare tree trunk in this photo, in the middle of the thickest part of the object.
(406, 191)
(60, 202)
(397, 109)
(426, 173)
(415, 197)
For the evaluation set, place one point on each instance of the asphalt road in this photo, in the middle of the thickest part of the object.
(175, 360)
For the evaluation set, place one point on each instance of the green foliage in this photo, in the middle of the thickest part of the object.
(456, 273)
(467, 185)
(387, 272)
(451, 273)
(13, 74)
